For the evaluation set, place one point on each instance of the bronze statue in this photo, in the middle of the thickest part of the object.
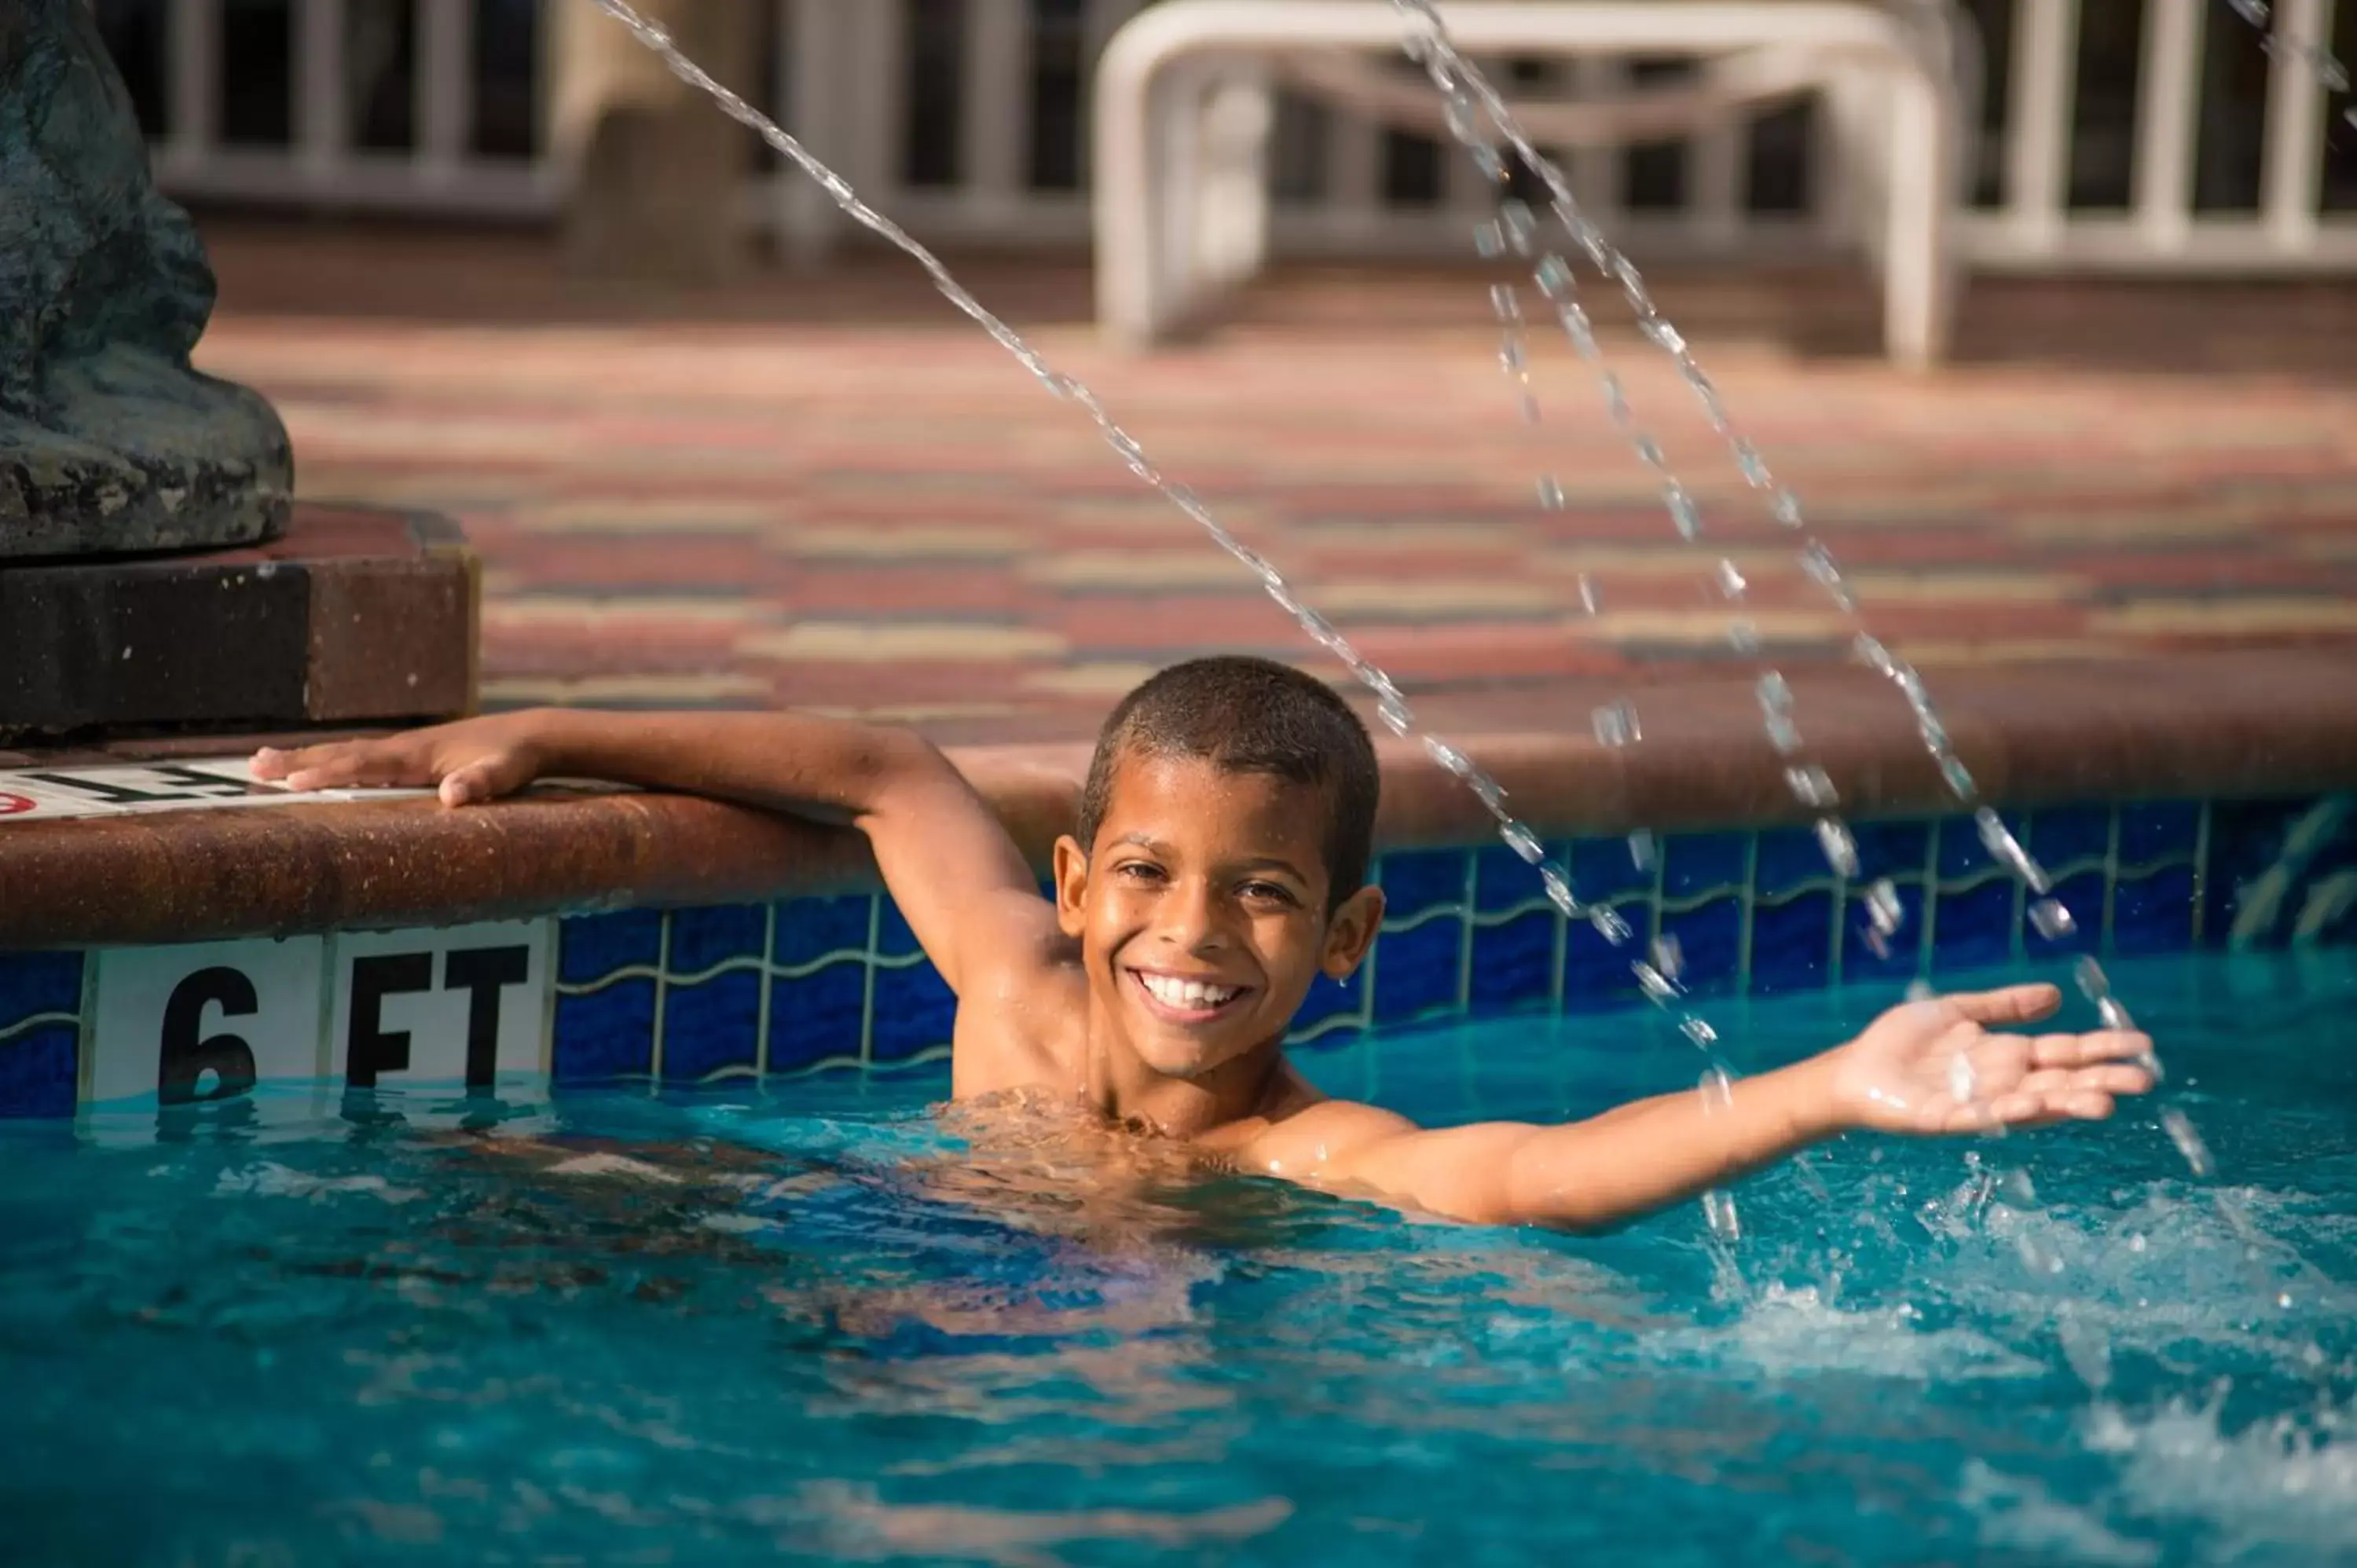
(109, 441)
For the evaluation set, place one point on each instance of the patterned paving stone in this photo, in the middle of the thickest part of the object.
(828, 489)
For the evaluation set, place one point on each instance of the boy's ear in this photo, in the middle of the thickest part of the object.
(1352, 931)
(1071, 883)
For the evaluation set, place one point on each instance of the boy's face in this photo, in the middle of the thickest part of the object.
(1201, 910)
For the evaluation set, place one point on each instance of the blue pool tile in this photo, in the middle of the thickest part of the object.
(1792, 944)
(39, 1072)
(1895, 848)
(1695, 865)
(1326, 1000)
(810, 929)
(36, 982)
(2061, 835)
(604, 1033)
(713, 1026)
(1595, 972)
(1502, 879)
(1904, 957)
(2083, 896)
(1416, 974)
(1514, 963)
(1603, 868)
(2154, 914)
(893, 937)
(2246, 839)
(1974, 927)
(591, 947)
(702, 938)
(914, 1011)
(2159, 830)
(1415, 880)
(815, 1017)
(1710, 941)
(1791, 858)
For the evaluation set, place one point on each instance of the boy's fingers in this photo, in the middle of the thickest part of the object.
(477, 781)
(2013, 1005)
(2097, 1046)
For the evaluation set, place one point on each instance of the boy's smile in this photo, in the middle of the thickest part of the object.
(1201, 911)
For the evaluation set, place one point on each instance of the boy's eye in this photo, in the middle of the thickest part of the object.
(1138, 871)
(1268, 890)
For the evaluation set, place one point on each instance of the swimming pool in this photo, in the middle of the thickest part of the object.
(729, 1326)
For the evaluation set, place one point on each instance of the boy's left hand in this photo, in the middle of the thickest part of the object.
(1935, 1067)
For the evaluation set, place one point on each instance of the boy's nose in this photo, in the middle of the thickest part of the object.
(1190, 917)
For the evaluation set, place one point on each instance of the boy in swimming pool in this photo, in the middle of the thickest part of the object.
(1219, 866)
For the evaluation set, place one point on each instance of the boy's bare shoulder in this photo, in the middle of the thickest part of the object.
(1023, 1018)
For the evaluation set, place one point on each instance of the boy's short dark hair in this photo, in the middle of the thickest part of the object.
(1251, 715)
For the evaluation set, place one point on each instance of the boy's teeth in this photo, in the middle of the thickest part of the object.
(1186, 993)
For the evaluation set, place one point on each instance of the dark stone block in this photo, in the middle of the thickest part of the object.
(109, 441)
(355, 616)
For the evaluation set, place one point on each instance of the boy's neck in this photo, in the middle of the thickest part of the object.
(1122, 1086)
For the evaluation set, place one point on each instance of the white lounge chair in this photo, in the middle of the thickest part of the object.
(1183, 117)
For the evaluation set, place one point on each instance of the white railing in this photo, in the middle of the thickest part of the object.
(843, 66)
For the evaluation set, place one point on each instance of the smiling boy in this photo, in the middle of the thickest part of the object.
(1219, 866)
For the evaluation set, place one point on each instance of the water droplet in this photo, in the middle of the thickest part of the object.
(2093, 982)
(1397, 716)
(1608, 924)
(1616, 724)
(1698, 1032)
(1583, 335)
(2188, 1143)
(2051, 919)
(1489, 241)
(1511, 357)
(1554, 277)
(1657, 986)
(1718, 1210)
(1787, 509)
(1715, 1085)
(1812, 786)
(1963, 1083)
(1458, 113)
(2006, 849)
(1958, 778)
(1840, 849)
(1486, 159)
(1669, 956)
(1505, 301)
(1523, 843)
(1743, 636)
(1521, 226)
(1558, 890)
(1641, 849)
(1551, 492)
(1447, 756)
(1731, 579)
(2284, 1300)
(1684, 513)
(1884, 913)
(1586, 594)
(1649, 452)
(1775, 693)
(1486, 788)
(1529, 407)
(2254, 12)
(1754, 467)
(1663, 335)
(2112, 1014)
(1873, 654)
(1783, 735)
(2089, 1353)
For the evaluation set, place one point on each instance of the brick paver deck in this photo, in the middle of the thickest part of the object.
(829, 491)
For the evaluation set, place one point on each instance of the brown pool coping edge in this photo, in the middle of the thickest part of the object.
(2271, 722)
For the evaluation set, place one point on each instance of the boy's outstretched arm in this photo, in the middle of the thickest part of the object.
(1924, 1067)
(956, 875)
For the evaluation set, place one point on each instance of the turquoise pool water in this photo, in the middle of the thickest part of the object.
(762, 1327)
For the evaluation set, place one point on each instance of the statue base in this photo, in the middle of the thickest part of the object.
(355, 616)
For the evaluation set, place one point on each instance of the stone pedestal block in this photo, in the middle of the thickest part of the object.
(355, 616)
(659, 171)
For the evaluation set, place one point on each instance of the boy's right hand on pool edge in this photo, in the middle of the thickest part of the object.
(471, 760)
